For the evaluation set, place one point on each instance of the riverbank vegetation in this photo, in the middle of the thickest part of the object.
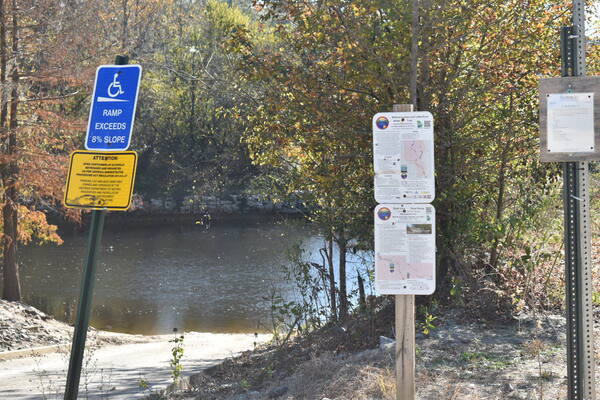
(477, 70)
(275, 99)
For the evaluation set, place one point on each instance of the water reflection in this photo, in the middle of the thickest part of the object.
(152, 280)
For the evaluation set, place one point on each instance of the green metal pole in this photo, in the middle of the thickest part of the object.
(85, 304)
(85, 296)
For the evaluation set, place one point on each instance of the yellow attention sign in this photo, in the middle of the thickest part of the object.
(101, 181)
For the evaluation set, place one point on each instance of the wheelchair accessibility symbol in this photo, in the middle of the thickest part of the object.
(115, 85)
(113, 88)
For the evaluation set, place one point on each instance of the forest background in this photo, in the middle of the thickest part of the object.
(276, 97)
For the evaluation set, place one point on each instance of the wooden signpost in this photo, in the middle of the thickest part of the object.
(405, 330)
(405, 346)
(404, 224)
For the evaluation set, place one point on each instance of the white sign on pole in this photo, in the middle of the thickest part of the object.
(403, 157)
(570, 122)
(405, 249)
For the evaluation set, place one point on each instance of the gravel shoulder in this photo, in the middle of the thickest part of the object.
(118, 372)
(116, 366)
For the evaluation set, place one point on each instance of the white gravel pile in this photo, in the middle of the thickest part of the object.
(23, 326)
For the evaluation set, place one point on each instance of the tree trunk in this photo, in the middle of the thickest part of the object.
(332, 291)
(343, 293)
(414, 53)
(3, 94)
(362, 298)
(12, 285)
(494, 254)
(125, 26)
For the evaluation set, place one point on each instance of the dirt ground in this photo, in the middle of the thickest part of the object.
(460, 359)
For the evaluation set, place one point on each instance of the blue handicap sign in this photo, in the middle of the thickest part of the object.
(113, 107)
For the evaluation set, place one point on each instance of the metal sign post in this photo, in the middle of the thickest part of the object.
(86, 295)
(578, 278)
(85, 305)
(570, 133)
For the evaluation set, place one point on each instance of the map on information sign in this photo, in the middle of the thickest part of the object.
(405, 249)
(403, 157)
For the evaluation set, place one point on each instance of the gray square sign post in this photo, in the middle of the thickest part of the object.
(570, 133)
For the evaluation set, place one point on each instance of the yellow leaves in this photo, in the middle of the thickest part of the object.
(356, 9)
(304, 20)
(33, 225)
(295, 152)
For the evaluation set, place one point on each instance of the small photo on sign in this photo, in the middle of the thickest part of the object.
(418, 229)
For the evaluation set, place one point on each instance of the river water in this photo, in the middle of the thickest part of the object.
(152, 280)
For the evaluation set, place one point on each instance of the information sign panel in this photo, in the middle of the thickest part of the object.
(570, 119)
(570, 122)
(101, 181)
(405, 249)
(113, 107)
(403, 157)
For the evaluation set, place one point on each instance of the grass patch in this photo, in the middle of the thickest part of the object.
(548, 376)
(491, 361)
(468, 356)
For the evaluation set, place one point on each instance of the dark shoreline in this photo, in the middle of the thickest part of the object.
(116, 221)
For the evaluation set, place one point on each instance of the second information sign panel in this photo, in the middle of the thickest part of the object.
(405, 249)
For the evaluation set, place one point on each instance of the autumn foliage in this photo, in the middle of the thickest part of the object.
(336, 63)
